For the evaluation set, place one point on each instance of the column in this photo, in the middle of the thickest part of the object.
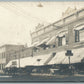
(70, 37)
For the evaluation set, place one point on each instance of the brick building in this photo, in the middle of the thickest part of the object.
(5, 52)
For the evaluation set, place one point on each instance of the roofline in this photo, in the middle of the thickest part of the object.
(62, 18)
(10, 45)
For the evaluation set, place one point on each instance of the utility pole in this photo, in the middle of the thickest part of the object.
(19, 59)
(70, 43)
(32, 51)
(70, 37)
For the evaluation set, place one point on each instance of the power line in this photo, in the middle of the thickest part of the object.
(20, 11)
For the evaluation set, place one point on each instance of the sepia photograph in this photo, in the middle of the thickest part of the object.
(41, 41)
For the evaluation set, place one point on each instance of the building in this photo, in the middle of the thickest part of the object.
(25, 52)
(55, 37)
(66, 34)
(5, 52)
(56, 34)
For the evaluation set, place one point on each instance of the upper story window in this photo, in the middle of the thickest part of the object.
(61, 40)
(3, 55)
(77, 36)
(81, 13)
(66, 37)
(79, 33)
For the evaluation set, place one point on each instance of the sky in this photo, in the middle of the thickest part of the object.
(19, 19)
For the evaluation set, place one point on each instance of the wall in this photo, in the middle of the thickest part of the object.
(52, 29)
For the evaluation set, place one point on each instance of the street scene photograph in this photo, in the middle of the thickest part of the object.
(41, 41)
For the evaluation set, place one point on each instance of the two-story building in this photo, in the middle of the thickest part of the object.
(5, 53)
(56, 34)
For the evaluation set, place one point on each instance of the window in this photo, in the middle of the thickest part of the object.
(54, 54)
(3, 55)
(66, 36)
(81, 13)
(54, 46)
(76, 35)
(59, 41)
(14, 63)
(63, 40)
(81, 35)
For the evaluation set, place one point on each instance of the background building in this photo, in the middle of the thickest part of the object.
(5, 52)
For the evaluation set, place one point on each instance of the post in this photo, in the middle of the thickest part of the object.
(70, 44)
(32, 52)
(70, 37)
(69, 59)
(1, 66)
(19, 59)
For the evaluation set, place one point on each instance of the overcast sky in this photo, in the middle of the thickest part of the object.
(17, 19)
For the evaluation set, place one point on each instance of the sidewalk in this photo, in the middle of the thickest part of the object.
(50, 75)
(56, 75)
(1, 72)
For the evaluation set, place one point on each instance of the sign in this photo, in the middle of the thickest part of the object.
(69, 53)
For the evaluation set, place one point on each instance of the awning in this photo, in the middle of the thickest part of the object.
(78, 55)
(31, 61)
(61, 58)
(79, 27)
(43, 41)
(34, 44)
(51, 41)
(61, 34)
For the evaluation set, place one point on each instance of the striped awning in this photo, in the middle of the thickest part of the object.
(43, 41)
(61, 58)
(61, 34)
(52, 40)
(30, 61)
(34, 44)
(79, 27)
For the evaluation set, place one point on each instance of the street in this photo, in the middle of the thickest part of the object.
(75, 78)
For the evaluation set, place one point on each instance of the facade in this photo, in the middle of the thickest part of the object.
(61, 43)
(69, 30)
(72, 20)
(5, 52)
(25, 52)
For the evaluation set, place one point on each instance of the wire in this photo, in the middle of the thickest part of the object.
(20, 11)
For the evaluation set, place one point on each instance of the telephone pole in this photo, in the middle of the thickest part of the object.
(70, 44)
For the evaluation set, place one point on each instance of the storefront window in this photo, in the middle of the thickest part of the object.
(14, 63)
